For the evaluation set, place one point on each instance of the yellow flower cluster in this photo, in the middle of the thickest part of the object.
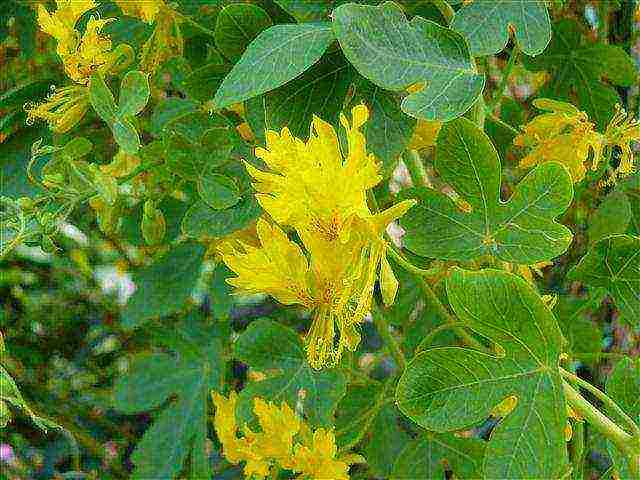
(285, 441)
(564, 134)
(81, 54)
(322, 195)
(63, 109)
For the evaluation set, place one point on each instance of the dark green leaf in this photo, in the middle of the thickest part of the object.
(277, 55)
(522, 230)
(236, 27)
(451, 388)
(218, 191)
(611, 217)
(164, 287)
(486, 25)
(386, 442)
(203, 82)
(203, 221)
(167, 111)
(394, 54)
(308, 10)
(267, 345)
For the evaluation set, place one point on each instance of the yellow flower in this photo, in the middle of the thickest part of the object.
(62, 110)
(563, 135)
(284, 441)
(93, 52)
(321, 193)
(621, 131)
(146, 10)
(62, 22)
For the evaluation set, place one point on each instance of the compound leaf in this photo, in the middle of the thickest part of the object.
(613, 263)
(395, 53)
(267, 345)
(521, 230)
(451, 388)
(277, 55)
(486, 25)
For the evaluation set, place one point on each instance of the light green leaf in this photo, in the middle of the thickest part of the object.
(611, 217)
(451, 388)
(203, 221)
(218, 191)
(425, 457)
(356, 412)
(278, 55)
(126, 135)
(576, 67)
(486, 25)
(236, 27)
(134, 93)
(164, 287)
(631, 187)
(267, 345)
(320, 91)
(521, 230)
(385, 442)
(102, 100)
(613, 263)
(167, 110)
(394, 53)
(151, 380)
(623, 388)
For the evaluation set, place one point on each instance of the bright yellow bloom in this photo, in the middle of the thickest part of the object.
(93, 52)
(567, 136)
(563, 135)
(62, 22)
(62, 110)
(146, 10)
(284, 441)
(321, 193)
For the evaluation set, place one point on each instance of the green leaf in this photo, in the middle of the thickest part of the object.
(277, 55)
(356, 412)
(151, 380)
(631, 187)
(394, 53)
(576, 67)
(268, 345)
(307, 11)
(613, 263)
(164, 287)
(425, 457)
(203, 82)
(388, 130)
(168, 110)
(236, 27)
(126, 135)
(203, 221)
(521, 230)
(611, 217)
(486, 25)
(134, 93)
(451, 388)
(218, 191)
(320, 91)
(102, 100)
(386, 441)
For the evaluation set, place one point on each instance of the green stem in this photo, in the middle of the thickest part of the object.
(576, 448)
(445, 9)
(410, 267)
(416, 169)
(505, 79)
(383, 329)
(607, 401)
(426, 341)
(603, 424)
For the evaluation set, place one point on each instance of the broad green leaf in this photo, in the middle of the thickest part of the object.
(631, 187)
(521, 230)
(203, 221)
(577, 67)
(134, 93)
(218, 191)
(268, 345)
(623, 388)
(152, 379)
(613, 263)
(388, 130)
(394, 54)
(387, 439)
(164, 287)
(356, 412)
(168, 110)
(126, 135)
(102, 100)
(278, 55)
(425, 457)
(611, 217)
(236, 27)
(451, 388)
(486, 25)
(320, 91)
(308, 10)
(203, 82)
